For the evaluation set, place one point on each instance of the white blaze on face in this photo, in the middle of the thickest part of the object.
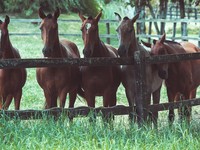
(88, 26)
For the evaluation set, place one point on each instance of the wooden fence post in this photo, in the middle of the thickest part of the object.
(174, 31)
(199, 40)
(108, 32)
(150, 28)
(140, 85)
(184, 30)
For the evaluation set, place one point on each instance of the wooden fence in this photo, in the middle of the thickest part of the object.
(139, 60)
(151, 32)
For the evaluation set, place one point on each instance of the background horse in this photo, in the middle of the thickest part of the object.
(98, 80)
(128, 44)
(181, 78)
(11, 80)
(57, 81)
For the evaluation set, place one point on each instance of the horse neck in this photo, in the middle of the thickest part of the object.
(58, 49)
(133, 47)
(100, 49)
(8, 50)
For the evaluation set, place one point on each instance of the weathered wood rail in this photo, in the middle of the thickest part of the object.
(85, 111)
(139, 61)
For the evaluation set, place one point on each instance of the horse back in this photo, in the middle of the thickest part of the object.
(190, 47)
(71, 49)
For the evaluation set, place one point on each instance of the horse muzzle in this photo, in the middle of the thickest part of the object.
(86, 52)
(47, 51)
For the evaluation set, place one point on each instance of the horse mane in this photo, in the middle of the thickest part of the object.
(90, 18)
(49, 16)
(125, 18)
(171, 42)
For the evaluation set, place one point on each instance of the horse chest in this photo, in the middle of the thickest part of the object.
(128, 79)
(97, 78)
(58, 78)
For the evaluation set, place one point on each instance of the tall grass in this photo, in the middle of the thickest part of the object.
(81, 134)
(50, 134)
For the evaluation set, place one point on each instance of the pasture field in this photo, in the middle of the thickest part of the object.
(81, 134)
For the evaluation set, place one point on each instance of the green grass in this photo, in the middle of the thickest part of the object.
(50, 134)
(61, 134)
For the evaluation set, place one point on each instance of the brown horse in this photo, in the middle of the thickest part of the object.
(128, 44)
(11, 80)
(98, 80)
(57, 81)
(181, 78)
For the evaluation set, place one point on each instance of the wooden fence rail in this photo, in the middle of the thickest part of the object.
(150, 34)
(85, 111)
(138, 61)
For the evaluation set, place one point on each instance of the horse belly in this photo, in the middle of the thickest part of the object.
(12, 80)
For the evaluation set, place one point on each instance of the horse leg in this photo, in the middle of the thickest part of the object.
(185, 111)
(7, 102)
(90, 98)
(109, 100)
(51, 99)
(17, 99)
(147, 113)
(156, 100)
(72, 99)
(171, 97)
(188, 111)
(131, 101)
(62, 97)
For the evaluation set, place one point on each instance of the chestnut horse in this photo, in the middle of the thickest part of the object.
(98, 80)
(11, 80)
(57, 81)
(128, 44)
(181, 78)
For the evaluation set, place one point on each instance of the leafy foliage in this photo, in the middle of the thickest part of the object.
(23, 7)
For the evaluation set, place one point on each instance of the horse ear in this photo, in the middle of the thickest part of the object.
(97, 18)
(135, 17)
(56, 13)
(119, 18)
(7, 20)
(41, 13)
(82, 17)
(162, 40)
(146, 44)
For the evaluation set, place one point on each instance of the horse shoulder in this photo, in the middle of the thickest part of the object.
(71, 48)
(113, 51)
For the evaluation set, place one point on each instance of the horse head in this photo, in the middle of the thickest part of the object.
(90, 33)
(126, 34)
(4, 34)
(49, 31)
(159, 48)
